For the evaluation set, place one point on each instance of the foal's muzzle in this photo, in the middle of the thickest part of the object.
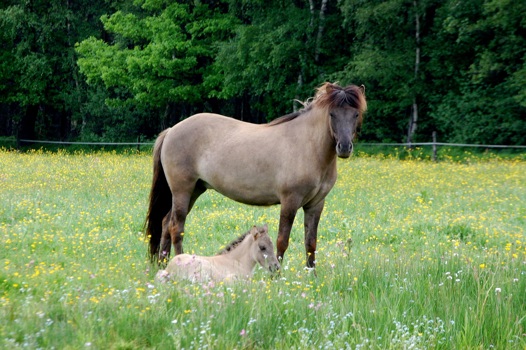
(344, 149)
(274, 267)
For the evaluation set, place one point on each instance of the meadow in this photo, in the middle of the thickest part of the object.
(412, 254)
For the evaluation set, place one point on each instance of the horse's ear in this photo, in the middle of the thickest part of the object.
(326, 88)
(255, 232)
(362, 88)
(330, 87)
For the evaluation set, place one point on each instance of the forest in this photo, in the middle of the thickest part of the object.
(115, 70)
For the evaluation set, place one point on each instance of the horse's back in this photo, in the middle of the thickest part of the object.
(197, 268)
(206, 124)
(201, 134)
(191, 267)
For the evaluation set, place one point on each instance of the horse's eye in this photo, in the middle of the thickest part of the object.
(263, 248)
(331, 114)
(356, 116)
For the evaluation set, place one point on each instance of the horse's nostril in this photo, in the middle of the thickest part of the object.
(344, 146)
(274, 267)
(344, 149)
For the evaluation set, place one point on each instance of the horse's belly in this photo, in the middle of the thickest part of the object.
(242, 185)
(246, 195)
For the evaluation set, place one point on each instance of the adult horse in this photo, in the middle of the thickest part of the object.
(290, 161)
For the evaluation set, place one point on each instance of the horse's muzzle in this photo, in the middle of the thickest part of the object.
(344, 149)
(274, 267)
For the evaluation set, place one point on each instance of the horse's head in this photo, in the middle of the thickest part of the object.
(262, 249)
(345, 108)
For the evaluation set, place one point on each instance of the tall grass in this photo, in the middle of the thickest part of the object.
(411, 255)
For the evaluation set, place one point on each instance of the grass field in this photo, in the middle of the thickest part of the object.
(411, 255)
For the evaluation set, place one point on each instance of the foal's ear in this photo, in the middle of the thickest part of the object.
(255, 232)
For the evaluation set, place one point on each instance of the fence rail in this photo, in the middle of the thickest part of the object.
(433, 144)
(412, 144)
(89, 143)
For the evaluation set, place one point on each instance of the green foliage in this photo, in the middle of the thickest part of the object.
(117, 69)
(160, 53)
(383, 29)
(484, 63)
(265, 53)
(282, 51)
(470, 83)
(39, 85)
(25, 69)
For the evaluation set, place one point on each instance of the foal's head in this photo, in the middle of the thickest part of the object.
(262, 249)
(345, 106)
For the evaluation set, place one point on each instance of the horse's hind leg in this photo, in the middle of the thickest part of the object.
(174, 221)
(173, 226)
(166, 239)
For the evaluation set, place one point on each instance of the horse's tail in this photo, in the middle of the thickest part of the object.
(160, 200)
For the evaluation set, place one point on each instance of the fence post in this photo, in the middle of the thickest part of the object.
(139, 143)
(434, 135)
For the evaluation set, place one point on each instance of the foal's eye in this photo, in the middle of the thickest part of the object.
(263, 248)
(331, 114)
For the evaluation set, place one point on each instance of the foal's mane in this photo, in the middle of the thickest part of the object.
(230, 246)
(330, 96)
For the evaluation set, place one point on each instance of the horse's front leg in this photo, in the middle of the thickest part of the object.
(286, 220)
(312, 219)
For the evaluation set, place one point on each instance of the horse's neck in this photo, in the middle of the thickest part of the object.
(316, 128)
(241, 256)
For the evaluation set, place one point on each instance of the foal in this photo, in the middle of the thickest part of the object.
(236, 261)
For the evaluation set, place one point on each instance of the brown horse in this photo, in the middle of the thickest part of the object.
(290, 161)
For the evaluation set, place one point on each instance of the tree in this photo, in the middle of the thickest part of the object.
(485, 66)
(282, 51)
(456, 67)
(390, 56)
(39, 83)
(159, 54)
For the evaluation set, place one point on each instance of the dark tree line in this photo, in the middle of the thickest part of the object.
(114, 70)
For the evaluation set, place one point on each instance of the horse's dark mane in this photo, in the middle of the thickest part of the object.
(330, 96)
(230, 246)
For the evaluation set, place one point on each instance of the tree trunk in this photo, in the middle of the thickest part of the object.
(321, 27)
(298, 89)
(74, 69)
(413, 118)
(317, 46)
